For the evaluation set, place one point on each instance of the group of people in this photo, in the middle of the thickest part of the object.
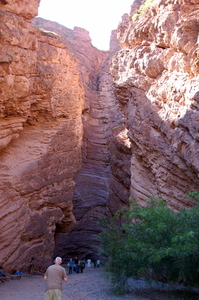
(55, 274)
(79, 265)
(76, 265)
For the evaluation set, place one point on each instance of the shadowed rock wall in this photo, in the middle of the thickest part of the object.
(156, 84)
(99, 116)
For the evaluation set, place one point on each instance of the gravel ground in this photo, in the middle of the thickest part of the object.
(89, 285)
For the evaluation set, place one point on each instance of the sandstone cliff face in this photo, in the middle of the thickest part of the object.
(156, 84)
(52, 92)
(24, 8)
(82, 131)
(41, 136)
(99, 116)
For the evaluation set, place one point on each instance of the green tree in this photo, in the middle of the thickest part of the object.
(153, 242)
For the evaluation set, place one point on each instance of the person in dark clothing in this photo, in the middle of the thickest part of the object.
(82, 266)
(32, 266)
(70, 263)
(76, 265)
(94, 263)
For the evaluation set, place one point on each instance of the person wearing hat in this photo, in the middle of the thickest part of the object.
(54, 276)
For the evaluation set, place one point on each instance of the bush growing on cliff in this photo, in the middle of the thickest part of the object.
(153, 242)
(142, 9)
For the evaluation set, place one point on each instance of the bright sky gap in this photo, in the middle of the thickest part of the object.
(98, 17)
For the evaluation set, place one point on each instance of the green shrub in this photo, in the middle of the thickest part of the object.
(153, 242)
(142, 9)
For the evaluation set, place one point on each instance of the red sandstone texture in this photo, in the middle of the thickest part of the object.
(100, 114)
(41, 136)
(50, 96)
(26, 9)
(82, 131)
(156, 84)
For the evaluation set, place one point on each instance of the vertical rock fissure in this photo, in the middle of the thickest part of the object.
(92, 182)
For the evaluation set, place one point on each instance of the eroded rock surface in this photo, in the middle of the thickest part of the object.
(156, 84)
(41, 136)
(24, 8)
(100, 114)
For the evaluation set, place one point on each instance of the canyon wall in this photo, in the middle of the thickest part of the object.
(156, 84)
(42, 99)
(100, 114)
(57, 114)
(83, 130)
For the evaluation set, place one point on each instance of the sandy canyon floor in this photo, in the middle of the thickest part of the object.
(90, 285)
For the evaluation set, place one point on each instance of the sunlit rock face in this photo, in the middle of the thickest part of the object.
(100, 116)
(40, 137)
(24, 8)
(56, 118)
(156, 84)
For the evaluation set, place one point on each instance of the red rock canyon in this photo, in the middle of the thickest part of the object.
(83, 130)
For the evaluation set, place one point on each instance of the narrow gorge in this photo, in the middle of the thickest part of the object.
(83, 130)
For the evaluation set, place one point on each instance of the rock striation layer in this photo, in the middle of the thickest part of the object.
(156, 84)
(40, 137)
(100, 114)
